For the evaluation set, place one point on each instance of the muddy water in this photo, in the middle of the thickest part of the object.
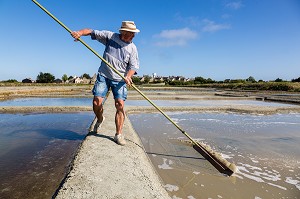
(35, 151)
(204, 103)
(88, 102)
(265, 149)
(36, 101)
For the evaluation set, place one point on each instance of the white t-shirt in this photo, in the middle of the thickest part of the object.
(121, 55)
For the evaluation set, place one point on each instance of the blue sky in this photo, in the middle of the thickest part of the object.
(217, 39)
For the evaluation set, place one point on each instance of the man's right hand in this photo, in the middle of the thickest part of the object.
(76, 35)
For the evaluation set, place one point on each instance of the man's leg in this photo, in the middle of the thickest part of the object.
(98, 108)
(120, 94)
(120, 115)
(119, 120)
(99, 91)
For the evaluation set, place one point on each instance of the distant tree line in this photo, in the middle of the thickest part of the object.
(49, 78)
(45, 78)
(10, 81)
(296, 80)
(202, 80)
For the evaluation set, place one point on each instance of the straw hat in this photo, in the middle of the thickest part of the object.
(129, 26)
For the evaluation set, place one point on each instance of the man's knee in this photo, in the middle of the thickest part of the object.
(97, 101)
(119, 104)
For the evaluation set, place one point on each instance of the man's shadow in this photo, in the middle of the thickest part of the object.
(101, 136)
(111, 138)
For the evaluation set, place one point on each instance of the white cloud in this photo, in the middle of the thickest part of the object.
(211, 26)
(168, 43)
(176, 37)
(234, 5)
(226, 16)
(184, 33)
(189, 21)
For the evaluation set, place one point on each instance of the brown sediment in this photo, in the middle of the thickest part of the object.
(8, 92)
(42, 109)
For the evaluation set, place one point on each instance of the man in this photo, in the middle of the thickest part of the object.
(122, 54)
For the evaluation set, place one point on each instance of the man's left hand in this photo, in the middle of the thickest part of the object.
(128, 81)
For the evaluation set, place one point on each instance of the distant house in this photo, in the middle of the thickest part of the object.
(93, 80)
(58, 81)
(158, 79)
(85, 81)
(171, 78)
(74, 79)
(77, 80)
(27, 80)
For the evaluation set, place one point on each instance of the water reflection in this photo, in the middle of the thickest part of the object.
(47, 134)
(35, 150)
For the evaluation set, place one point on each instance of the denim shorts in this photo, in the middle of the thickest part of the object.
(103, 84)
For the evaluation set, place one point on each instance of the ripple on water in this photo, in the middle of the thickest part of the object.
(264, 148)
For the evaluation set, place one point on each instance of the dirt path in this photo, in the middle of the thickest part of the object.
(103, 169)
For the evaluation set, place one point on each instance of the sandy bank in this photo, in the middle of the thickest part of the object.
(252, 109)
(7, 92)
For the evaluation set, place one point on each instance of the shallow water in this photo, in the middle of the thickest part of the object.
(88, 102)
(36, 101)
(265, 149)
(204, 103)
(35, 151)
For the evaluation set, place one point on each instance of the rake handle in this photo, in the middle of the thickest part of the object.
(116, 71)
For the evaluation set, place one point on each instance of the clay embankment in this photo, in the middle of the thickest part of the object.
(154, 94)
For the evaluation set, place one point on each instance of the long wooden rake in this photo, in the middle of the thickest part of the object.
(221, 164)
